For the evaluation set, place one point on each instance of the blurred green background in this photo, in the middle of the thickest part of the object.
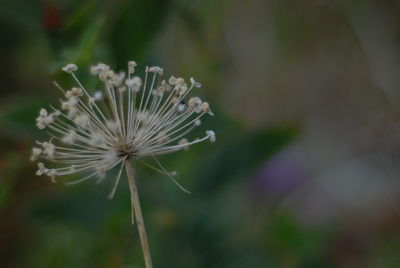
(305, 170)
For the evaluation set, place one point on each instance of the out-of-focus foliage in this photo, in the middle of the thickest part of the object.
(304, 172)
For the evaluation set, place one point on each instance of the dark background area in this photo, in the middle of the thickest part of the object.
(305, 170)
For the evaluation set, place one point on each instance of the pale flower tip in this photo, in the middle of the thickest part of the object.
(43, 112)
(36, 152)
(211, 135)
(134, 83)
(195, 104)
(74, 92)
(49, 149)
(41, 169)
(98, 95)
(52, 174)
(157, 70)
(194, 83)
(143, 122)
(131, 66)
(69, 68)
(44, 119)
(172, 80)
(82, 121)
(184, 143)
(99, 68)
(205, 107)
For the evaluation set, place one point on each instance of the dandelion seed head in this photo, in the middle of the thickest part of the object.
(129, 119)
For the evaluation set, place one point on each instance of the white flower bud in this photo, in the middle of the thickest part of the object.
(156, 69)
(70, 137)
(41, 169)
(211, 135)
(48, 149)
(82, 120)
(181, 107)
(195, 104)
(99, 68)
(43, 120)
(164, 87)
(69, 68)
(117, 79)
(181, 88)
(172, 80)
(205, 107)
(134, 83)
(36, 152)
(98, 95)
(74, 92)
(184, 142)
(43, 112)
(194, 83)
(131, 67)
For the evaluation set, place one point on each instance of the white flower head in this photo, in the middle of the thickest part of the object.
(120, 125)
(70, 68)
(129, 122)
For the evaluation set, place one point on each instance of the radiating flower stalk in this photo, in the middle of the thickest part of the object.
(127, 122)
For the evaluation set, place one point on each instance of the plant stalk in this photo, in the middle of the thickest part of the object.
(137, 212)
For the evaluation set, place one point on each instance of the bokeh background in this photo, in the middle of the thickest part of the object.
(305, 170)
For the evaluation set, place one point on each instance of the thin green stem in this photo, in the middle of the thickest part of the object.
(137, 212)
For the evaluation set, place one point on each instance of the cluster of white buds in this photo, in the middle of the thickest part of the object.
(134, 83)
(179, 84)
(129, 120)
